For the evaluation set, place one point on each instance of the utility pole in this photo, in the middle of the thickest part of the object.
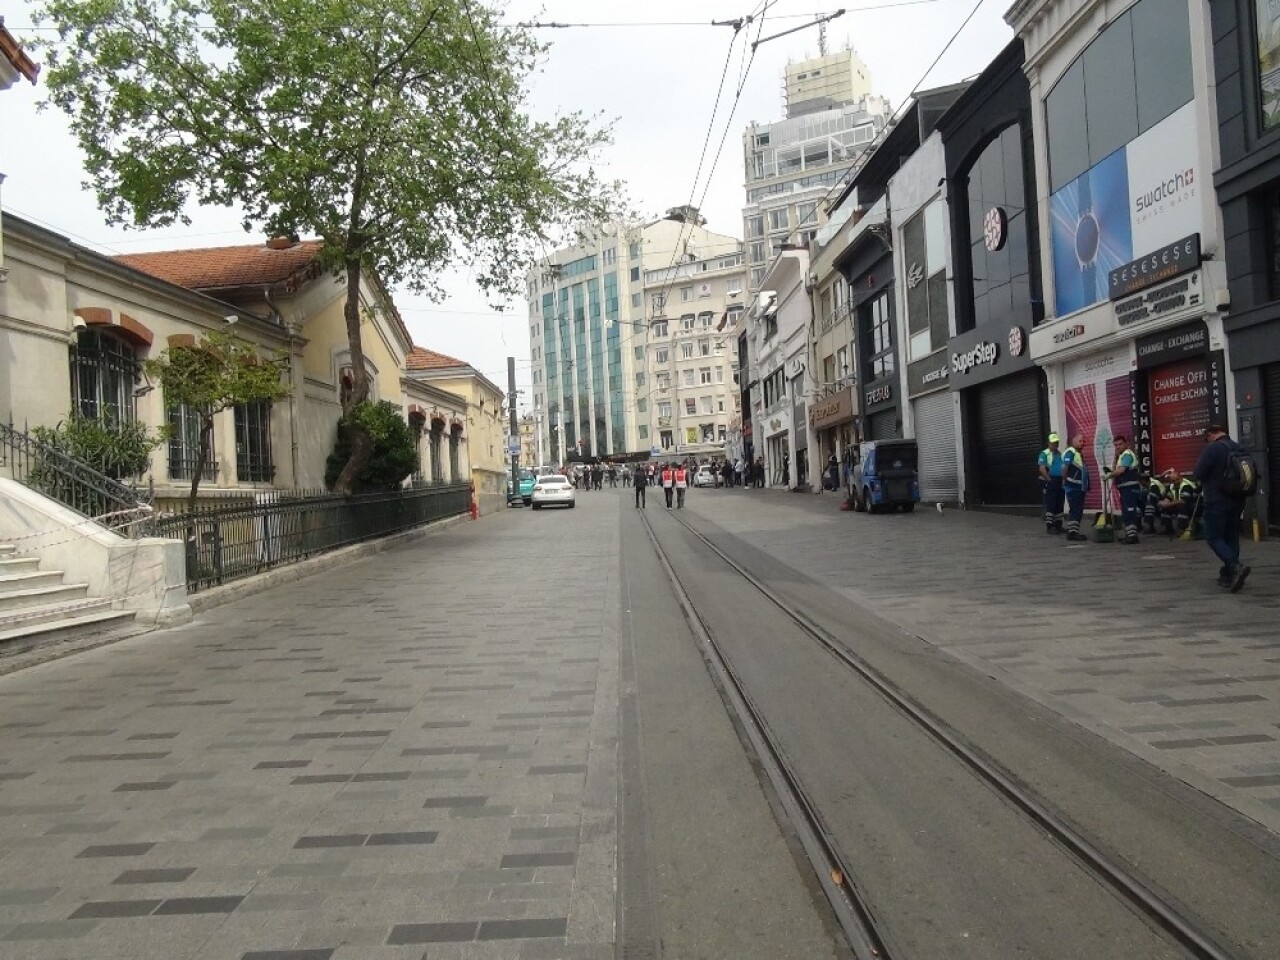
(513, 439)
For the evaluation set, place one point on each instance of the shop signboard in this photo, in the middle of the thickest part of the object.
(878, 396)
(1099, 406)
(1135, 201)
(1176, 343)
(1069, 334)
(833, 409)
(929, 374)
(990, 351)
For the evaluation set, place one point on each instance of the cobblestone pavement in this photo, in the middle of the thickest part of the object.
(1137, 644)
(411, 756)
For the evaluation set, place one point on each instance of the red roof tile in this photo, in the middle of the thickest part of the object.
(221, 268)
(420, 358)
(12, 51)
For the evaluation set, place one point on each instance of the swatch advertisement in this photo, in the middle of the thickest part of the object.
(1099, 405)
(1138, 199)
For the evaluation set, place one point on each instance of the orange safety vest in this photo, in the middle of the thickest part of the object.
(681, 475)
(666, 477)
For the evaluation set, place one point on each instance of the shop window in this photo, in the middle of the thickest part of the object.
(253, 442)
(104, 373)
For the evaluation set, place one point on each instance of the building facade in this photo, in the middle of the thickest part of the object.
(1247, 54)
(691, 359)
(589, 332)
(995, 249)
(1125, 131)
(781, 327)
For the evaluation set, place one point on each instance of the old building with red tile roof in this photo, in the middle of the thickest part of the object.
(213, 269)
(14, 62)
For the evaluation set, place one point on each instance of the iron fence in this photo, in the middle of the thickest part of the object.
(228, 542)
(74, 484)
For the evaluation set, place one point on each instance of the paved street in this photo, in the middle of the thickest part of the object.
(500, 741)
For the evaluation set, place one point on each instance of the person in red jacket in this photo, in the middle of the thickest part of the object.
(668, 483)
(682, 484)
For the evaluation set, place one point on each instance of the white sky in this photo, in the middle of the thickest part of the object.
(657, 83)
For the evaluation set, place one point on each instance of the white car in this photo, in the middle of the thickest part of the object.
(553, 490)
(706, 477)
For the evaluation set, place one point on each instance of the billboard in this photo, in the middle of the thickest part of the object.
(1099, 405)
(1138, 199)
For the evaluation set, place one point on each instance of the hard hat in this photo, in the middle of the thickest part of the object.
(1053, 438)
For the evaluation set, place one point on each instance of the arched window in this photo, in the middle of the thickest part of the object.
(455, 467)
(104, 373)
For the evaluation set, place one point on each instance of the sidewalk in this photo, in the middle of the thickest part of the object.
(1137, 644)
(411, 755)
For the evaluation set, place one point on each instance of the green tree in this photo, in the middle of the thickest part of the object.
(218, 373)
(397, 132)
(395, 454)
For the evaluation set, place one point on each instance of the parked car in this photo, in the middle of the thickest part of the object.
(553, 490)
(886, 476)
(706, 476)
(524, 491)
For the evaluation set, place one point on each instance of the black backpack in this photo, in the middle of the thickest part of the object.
(1240, 475)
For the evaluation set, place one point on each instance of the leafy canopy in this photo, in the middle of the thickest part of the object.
(397, 131)
(395, 449)
(221, 371)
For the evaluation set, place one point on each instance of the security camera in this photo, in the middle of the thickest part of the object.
(78, 324)
(1224, 301)
(230, 319)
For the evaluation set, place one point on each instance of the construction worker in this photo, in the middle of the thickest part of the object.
(682, 484)
(1050, 464)
(1075, 484)
(1157, 491)
(668, 482)
(1179, 504)
(1124, 474)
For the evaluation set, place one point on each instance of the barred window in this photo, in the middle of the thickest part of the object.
(455, 468)
(184, 444)
(437, 466)
(104, 372)
(253, 442)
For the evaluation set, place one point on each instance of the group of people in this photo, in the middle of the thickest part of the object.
(1212, 492)
(592, 476)
(674, 478)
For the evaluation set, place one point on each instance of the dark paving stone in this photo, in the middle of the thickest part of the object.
(281, 764)
(522, 929)
(153, 736)
(544, 714)
(96, 757)
(322, 954)
(161, 875)
(107, 909)
(1179, 744)
(114, 850)
(1208, 701)
(515, 860)
(388, 777)
(14, 775)
(321, 778)
(454, 802)
(143, 786)
(24, 897)
(334, 840)
(553, 768)
(411, 933)
(401, 839)
(186, 906)
(1242, 738)
(1267, 780)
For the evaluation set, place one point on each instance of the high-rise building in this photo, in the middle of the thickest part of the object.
(791, 164)
(589, 331)
(692, 355)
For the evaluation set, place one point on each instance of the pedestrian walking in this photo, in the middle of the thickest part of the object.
(668, 483)
(1124, 475)
(682, 484)
(759, 484)
(597, 476)
(1050, 467)
(1075, 484)
(626, 475)
(641, 483)
(1228, 477)
(737, 472)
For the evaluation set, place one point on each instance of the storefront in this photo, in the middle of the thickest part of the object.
(833, 423)
(1178, 390)
(1004, 406)
(1246, 46)
(777, 447)
(933, 410)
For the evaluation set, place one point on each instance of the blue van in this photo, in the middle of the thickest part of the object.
(886, 476)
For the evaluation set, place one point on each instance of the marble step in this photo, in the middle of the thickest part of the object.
(19, 565)
(50, 612)
(41, 596)
(10, 582)
(23, 639)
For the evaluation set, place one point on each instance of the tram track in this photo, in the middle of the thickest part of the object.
(868, 932)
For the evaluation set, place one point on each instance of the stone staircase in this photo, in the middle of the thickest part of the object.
(37, 608)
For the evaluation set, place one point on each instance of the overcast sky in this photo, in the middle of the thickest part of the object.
(656, 83)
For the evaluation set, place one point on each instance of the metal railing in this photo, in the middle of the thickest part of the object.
(74, 484)
(228, 542)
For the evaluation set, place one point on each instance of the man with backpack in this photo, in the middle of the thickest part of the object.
(1228, 477)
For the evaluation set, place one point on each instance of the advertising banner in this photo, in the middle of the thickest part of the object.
(1135, 201)
(1180, 410)
(1099, 405)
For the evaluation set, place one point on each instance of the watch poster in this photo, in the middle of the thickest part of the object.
(1099, 407)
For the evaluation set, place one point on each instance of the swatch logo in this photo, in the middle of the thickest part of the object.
(1069, 334)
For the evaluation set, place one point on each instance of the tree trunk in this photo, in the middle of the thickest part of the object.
(361, 442)
(202, 454)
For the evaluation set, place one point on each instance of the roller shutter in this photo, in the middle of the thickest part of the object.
(1271, 392)
(1008, 427)
(884, 426)
(936, 438)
